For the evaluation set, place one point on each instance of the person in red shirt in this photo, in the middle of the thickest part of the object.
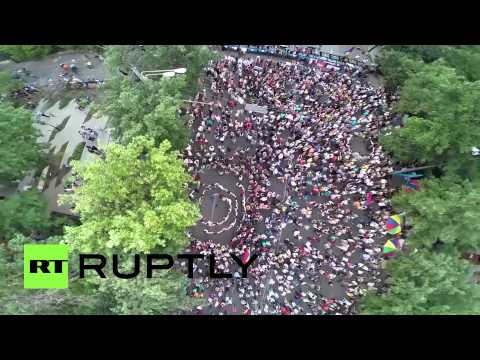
(285, 310)
(245, 255)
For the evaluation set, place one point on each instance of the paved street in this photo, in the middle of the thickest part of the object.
(44, 72)
(295, 235)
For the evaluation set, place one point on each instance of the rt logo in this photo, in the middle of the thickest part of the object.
(45, 266)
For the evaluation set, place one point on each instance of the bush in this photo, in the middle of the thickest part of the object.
(20, 53)
(8, 84)
(26, 52)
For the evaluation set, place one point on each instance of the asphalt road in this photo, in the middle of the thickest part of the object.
(211, 205)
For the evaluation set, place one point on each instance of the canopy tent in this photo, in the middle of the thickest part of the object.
(394, 225)
(389, 248)
(392, 246)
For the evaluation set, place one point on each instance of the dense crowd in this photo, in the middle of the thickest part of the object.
(320, 237)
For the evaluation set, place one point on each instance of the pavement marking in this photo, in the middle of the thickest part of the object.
(215, 197)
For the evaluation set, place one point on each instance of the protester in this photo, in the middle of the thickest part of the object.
(319, 238)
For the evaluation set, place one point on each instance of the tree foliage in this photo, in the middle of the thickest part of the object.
(426, 53)
(397, 67)
(22, 213)
(163, 294)
(464, 58)
(26, 52)
(8, 84)
(150, 108)
(20, 151)
(15, 300)
(134, 202)
(441, 95)
(161, 57)
(444, 125)
(426, 283)
(445, 212)
(146, 109)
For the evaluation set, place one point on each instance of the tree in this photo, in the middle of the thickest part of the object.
(464, 58)
(397, 67)
(150, 108)
(445, 211)
(19, 148)
(426, 53)
(8, 84)
(161, 57)
(15, 300)
(134, 202)
(444, 125)
(23, 213)
(163, 294)
(425, 283)
(26, 52)
(146, 108)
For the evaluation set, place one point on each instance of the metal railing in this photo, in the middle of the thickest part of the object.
(300, 54)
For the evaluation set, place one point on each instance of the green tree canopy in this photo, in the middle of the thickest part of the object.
(26, 52)
(15, 300)
(464, 58)
(19, 148)
(161, 57)
(23, 213)
(8, 84)
(444, 125)
(149, 108)
(426, 53)
(134, 202)
(426, 283)
(397, 67)
(445, 210)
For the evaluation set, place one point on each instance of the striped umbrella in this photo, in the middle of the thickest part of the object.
(394, 225)
(389, 248)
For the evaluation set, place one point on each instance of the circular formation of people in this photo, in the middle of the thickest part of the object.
(287, 181)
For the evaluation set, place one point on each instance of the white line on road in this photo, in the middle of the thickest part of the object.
(215, 197)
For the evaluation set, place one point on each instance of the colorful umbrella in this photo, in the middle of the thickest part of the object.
(389, 248)
(394, 225)
(412, 185)
(398, 243)
(392, 245)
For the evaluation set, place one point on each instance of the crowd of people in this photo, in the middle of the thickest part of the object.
(320, 235)
(90, 136)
